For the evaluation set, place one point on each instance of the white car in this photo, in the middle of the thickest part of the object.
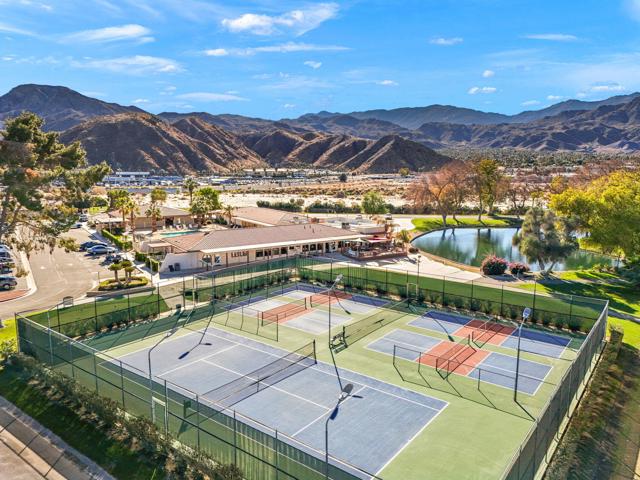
(100, 250)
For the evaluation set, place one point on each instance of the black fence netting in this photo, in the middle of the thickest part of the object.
(261, 452)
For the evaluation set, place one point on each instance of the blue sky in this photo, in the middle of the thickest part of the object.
(283, 58)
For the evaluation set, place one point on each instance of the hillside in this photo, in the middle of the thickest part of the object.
(343, 152)
(608, 128)
(146, 142)
(61, 107)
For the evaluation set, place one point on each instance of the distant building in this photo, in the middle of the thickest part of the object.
(126, 178)
(207, 250)
(265, 217)
(169, 217)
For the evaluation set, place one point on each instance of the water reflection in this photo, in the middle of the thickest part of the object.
(471, 245)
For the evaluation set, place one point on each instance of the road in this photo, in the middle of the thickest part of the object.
(57, 275)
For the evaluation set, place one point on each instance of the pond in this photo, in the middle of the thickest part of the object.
(471, 245)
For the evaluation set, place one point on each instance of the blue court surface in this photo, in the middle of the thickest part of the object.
(413, 344)
(370, 430)
(500, 370)
(533, 341)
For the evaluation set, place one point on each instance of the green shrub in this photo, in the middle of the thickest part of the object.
(116, 240)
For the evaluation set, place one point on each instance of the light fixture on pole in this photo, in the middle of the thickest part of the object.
(345, 393)
(526, 313)
(329, 292)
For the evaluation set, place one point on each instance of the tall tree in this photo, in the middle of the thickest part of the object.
(545, 238)
(115, 196)
(190, 185)
(373, 203)
(607, 210)
(227, 211)
(434, 191)
(42, 181)
(486, 179)
(158, 195)
(205, 202)
(153, 212)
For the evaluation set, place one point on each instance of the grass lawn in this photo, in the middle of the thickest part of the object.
(602, 438)
(622, 295)
(8, 331)
(86, 438)
(428, 224)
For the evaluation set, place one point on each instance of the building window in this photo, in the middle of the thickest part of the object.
(312, 247)
(283, 251)
(275, 252)
(258, 253)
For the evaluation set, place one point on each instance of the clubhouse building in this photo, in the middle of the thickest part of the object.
(223, 248)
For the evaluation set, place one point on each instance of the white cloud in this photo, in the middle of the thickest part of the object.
(607, 87)
(633, 7)
(8, 58)
(553, 37)
(289, 105)
(138, 101)
(388, 83)
(288, 47)
(297, 21)
(554, 97)
(136, 65)
(6, 28)
(111, 34)
(476, 90)
(216, 52)
(488, 73)
(210, 97)
(446, 41)
(530, 103)
(313, 64)
(297, 82)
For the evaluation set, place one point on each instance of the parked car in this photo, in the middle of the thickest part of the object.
(77, 225)
(5, 268)
(91, 243)
(83, 217)
(114, 258)
(100, 250)
(7, 282)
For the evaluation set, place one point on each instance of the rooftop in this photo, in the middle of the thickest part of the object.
(229, 240)
(269, 216)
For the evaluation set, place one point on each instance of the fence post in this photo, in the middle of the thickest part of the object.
(571, 310)
(198, 421)
(122, 384)
(58, 315)
(95, 313)
(277, 450)
(502, 300)
(129, 307)
(235, 439)
(158, 299)
(95, 372)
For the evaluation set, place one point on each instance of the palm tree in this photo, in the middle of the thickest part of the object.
(121, 203)
(158, 195)
(227, 211)
(132, 209)
(404, 237)
(128, 269)
(115, 268)
(190, 186)
(153, 212)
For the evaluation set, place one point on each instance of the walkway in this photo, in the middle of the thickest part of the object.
(28, 451)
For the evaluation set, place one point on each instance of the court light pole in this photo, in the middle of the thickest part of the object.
(335, 366)
(345, 393)
(526, 313)
(418, 259)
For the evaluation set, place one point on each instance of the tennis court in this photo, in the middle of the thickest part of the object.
(295, 396)
(531, 341)
(483, 365)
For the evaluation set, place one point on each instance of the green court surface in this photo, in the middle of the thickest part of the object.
(475, 436)
(431, 339)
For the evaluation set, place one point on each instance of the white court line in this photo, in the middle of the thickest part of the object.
(240, 375)
(488, 368)
(325, 413)
(346, 370)
(171, 370)
(408, 442)
(417, 347)
(209, 332)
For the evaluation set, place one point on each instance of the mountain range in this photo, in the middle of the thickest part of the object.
(373, 141)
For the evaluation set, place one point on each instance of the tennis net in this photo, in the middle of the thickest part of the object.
(241, 388)
(484, 333)
(282, 312)
(450, 360)
(357, 330)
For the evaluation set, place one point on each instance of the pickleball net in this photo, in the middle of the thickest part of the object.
(247, 385)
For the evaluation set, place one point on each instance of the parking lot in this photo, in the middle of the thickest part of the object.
(57, 275)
